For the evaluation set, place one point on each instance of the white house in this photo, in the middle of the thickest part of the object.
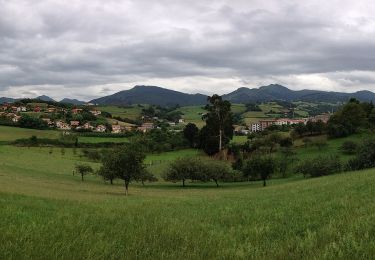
(255, 127)
(101, 128)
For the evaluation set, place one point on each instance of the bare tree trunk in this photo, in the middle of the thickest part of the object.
(264, 182)
(82, 176)
(126, 188)
(220, 140)
(217, 184)
(183, 183)
(111, 181)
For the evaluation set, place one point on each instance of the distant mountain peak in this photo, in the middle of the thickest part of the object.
(142, 94)
(72, 101)
(45, 98)
(274, 86)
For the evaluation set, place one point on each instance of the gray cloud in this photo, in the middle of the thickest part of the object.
(85, 49)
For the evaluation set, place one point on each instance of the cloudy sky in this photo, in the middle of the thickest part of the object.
(86, 49)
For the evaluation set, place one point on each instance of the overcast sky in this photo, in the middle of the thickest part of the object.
(86, 49)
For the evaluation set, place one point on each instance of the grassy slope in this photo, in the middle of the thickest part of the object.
(193, 114)
(133, 112)
(48, 213)
(8, 133)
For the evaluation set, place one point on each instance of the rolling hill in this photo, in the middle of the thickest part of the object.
(6, 100)
(45, 98)
(277, 92)
(72, 101)
(151, 95)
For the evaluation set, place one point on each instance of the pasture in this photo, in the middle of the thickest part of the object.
(193, 114)
(8, 133)
(46, 212)
(131, 112)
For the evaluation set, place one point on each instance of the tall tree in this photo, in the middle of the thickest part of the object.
(219, 120)
(347, 120)
(191, 133)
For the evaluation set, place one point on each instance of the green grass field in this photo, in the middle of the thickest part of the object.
(133, 112)
(193, 114)
(158, 163)
(8, 133)
(46, 212)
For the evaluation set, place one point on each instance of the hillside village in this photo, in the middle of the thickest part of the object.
(75, 118)
(89, 118)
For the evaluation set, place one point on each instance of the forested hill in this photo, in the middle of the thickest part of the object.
(151, 95)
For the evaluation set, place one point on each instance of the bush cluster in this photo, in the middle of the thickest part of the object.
(196, 169)
(319, 166)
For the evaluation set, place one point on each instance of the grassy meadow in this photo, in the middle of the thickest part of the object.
(46, 212)
(8, 133)
(131, 112)
(193, 114)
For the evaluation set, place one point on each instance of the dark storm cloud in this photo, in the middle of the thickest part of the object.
(91, 47)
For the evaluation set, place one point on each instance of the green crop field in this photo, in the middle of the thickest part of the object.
(46, 212)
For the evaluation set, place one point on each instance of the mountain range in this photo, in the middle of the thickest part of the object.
(161, 96)
(166, 97)
(44, 98)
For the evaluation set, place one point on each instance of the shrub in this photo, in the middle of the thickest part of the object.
(92, 154)
(365, 157)
(319, 166)
(320, 143)
(306, 141)
(286, 142)
(349, 147)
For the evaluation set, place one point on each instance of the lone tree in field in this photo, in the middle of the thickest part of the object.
(259, 167)
(83, 169)
(219, 121)
(125, 163)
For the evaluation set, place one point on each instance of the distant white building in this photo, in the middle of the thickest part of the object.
(116, 129)
(21, 109)
(255, 127)
(96, 112)
(101, 128)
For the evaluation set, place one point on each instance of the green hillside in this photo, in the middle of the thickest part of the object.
(46, 212)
